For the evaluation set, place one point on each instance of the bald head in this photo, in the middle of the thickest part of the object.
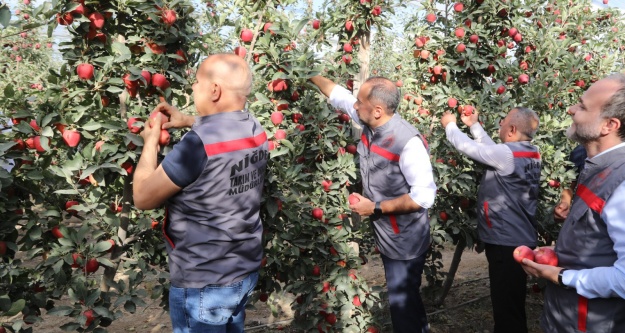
(230, 71)
(383, 91)
(525, 120)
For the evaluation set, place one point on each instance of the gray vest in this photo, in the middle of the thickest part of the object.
(400, 236)
(507, 204)
(213, 229)
(584, 243)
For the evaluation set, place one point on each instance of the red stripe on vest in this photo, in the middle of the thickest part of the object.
(592, 200)
(165, 233)
(394, 223)
(526, 154)
(486, 214)
(385, 153)
(234, 145)
(364, 140)
(582, 313)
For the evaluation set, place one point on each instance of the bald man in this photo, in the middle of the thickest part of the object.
(211, 185)
(507, 202)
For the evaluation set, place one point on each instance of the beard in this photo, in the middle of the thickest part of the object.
(584, 133)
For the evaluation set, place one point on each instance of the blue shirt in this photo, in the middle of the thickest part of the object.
(185, 163)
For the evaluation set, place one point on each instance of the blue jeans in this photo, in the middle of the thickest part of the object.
(403, 281)
(211, 309)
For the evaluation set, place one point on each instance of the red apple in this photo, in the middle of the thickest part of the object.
(68, 206)
(277, 117)
(163, 140)
(452, 102)
(169, 16)
(356, 301)
(351, 149)
(316, 24)
(37, 144)
(353, 199)
(347, 47)
(431, 17)
(131, 126)
(85, 71)
(376, 11)
(97, 20)
(71, 137)
(554, 183)
(277, 85)
(247, 35)
(459, 6)
(461, 48)
(347, 59)
(524, 79)
(240, 51)
(443, 215)
(317, 213)
(326, 185)
(459, 32)
(75, 257)
(501, 89)
(523, 252)
(316, 271)
(349, 26)
(89, 315)
(159, 80)
(474, 39)
(147, 76)
(512, 32)
(263, 297)
(64, 19)
(33, 124)
(91, 266)
(56, 232)
(331, 318)
(546, 256)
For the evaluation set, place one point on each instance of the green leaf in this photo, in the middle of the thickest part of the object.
(8, 90)
(122, 51)
(16, 308)
(130, 306)
(61, 311)
(91, 126)
(102, 246)
(66, 192)
(114, 89)
(5, 16)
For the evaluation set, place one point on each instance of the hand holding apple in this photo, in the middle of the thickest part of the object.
(177, 119)
(471, 119)
(547, 272)
(447, 118)
(364, 207)
(152, 134)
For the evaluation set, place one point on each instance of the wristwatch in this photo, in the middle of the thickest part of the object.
(377, 211)
(560, 274)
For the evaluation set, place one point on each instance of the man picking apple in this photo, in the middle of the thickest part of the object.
(587, 293)
(211, 184)
(507, 201)
(398, 189)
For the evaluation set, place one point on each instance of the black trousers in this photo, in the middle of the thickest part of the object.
(508, 288)
(403, 280)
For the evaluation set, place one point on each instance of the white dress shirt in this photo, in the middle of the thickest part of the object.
(605, 282)
(482, 148)
(418, 174)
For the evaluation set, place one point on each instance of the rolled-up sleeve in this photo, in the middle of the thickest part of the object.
(416, 167)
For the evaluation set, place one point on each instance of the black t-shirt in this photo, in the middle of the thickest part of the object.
(578, 157)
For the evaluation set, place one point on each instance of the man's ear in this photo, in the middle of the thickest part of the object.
(612, 125)
(215, 92)
(378, 112)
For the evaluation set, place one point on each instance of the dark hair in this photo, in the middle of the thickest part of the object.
(615, 106)
(526, 121)
(385, 92)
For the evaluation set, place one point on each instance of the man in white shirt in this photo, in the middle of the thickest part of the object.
(587, 293)
(507, 202)
(398, 188)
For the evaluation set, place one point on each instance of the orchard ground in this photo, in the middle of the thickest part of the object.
(467, 308)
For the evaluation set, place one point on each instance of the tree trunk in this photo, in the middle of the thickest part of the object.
(122, 233)
(453, 268)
